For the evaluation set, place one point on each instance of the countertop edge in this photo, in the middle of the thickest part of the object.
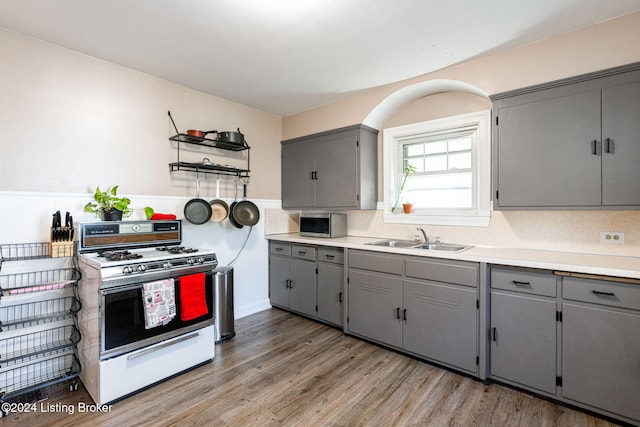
(597, 264)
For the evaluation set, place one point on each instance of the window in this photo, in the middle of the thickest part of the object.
(450, 163)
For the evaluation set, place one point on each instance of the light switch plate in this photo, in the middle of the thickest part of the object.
(616, 237)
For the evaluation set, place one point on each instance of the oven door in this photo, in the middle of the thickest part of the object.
(122, 319)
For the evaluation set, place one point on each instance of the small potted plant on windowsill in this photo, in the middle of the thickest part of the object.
(108, 206)
(409, 169)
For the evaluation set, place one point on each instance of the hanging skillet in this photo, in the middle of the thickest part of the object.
(197, 211)
(232, 206)
(245, 212)
(219, 208)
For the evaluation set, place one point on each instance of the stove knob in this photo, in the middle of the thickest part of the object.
(141, 268)
(166, 265)
(127, 269)
(200, 260)
(191, 260)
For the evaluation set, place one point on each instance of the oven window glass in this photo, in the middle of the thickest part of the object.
(124, 316)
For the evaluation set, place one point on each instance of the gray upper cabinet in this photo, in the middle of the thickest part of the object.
(569, 144)
(621, 145)
(332, 170)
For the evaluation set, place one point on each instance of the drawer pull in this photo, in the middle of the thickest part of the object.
(603, 294)
(330, 256)
(279, 249)
(519, 283)
(302, 252)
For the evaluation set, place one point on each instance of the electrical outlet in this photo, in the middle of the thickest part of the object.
(611, 237)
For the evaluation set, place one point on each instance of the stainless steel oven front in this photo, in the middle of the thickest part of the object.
(122, 318)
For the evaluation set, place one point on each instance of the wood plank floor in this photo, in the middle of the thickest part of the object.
(282, 369)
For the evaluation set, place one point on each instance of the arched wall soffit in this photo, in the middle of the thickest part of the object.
(381, 113)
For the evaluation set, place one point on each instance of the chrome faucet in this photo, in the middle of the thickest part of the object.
(424, 234)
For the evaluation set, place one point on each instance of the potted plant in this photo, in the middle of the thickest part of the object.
(409, 169)
(108, 206)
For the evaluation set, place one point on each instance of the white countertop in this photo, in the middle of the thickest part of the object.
(603, 265)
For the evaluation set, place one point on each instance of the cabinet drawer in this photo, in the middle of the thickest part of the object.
(375, 261)
(613, 294)
(535, 282)
(304, 252)
(335, 255)
(441, 270)
(279, 248)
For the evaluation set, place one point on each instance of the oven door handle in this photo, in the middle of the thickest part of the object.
(162, 345)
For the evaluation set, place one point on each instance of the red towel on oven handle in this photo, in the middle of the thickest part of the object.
(193, 301)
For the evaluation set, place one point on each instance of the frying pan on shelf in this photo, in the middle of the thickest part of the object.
(197, 211)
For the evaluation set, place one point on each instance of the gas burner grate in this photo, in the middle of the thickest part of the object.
(118, 255)
(177, 249)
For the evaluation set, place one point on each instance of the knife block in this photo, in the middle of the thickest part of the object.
(62, 248)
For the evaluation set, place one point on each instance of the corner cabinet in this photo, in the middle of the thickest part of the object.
(570, 143)
(333, 170)
(307, 280)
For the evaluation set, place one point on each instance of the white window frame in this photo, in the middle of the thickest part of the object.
(480, 215)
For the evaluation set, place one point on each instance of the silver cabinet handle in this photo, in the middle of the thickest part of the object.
(162, 345)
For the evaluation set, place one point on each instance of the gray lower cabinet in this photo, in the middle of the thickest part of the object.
(524, 328)
(333, 169)
(292, 277)
(569, 144)
(601, 346)
(331, 285)
(375, 301)
(401, 301)
(307, 279)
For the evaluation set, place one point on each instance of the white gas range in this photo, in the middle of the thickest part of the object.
(133, 271)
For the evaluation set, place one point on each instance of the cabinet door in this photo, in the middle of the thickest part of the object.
(440, 322)
(621, 145)
(337, 170)
(374, 306)
(298, 187)
(545, 155)
(330, 288)
(601, 358)
(278, 281)
(302, 297)
(524, 348)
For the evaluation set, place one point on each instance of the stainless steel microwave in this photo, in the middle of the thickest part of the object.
(323, 224)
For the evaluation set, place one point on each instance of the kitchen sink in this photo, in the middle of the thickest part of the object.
(393, 243)
(449, 247)
(410, 244)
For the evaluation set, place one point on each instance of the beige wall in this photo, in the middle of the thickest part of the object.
(70, 122)
(601, 46)
(605, 45)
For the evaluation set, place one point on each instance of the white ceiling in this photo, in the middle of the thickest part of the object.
(286, 56)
